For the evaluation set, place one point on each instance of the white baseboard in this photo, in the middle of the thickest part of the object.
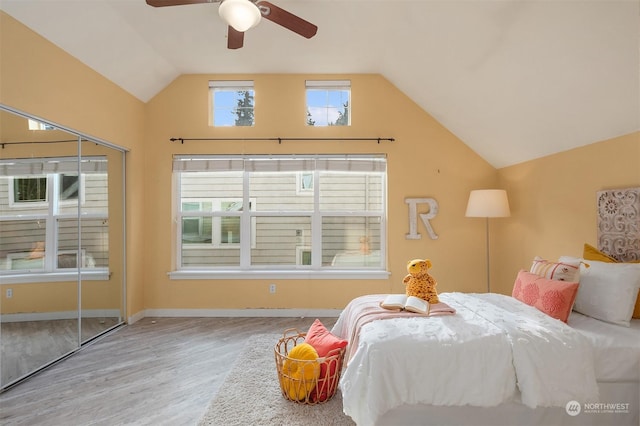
(280, 313)
(135, 317)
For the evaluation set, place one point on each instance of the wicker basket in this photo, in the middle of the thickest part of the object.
(295, 387)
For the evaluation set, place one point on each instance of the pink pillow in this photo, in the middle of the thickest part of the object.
(324, 342)
(554, 298)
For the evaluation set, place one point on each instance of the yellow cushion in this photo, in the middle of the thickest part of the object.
(592, 253)
(300, 377)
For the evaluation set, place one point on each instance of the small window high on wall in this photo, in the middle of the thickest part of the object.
(328, 102)
(232, 103)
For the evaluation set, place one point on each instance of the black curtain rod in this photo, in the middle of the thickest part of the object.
(2, 144)
(182, 140)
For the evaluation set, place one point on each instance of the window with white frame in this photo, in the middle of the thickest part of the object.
(282, 228)
(328, 103)
(232, 103)
(32, 190)
(37, 125)
(39, 208)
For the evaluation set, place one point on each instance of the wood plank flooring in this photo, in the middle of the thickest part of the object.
(28, 345)
(158, 371)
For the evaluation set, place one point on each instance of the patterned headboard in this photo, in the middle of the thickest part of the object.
(619, 223)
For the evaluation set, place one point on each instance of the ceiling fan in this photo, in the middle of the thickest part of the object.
(241, 15)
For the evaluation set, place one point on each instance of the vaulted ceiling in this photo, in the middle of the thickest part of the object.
(513, 79)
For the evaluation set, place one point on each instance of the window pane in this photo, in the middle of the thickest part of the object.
(351, 241)
(67, 193)
(94, 193)
(230, 230)
(328, 107)
(94, 242)
(203, 256)
(305, 182)
(203, 187)
(279, 239)
(94, 250)
(69, 187)
(22, 244)
(29, 189)
(278, 192)
(233, 107)
(197, 230)
(351, 191)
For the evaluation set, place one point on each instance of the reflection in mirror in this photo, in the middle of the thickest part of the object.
(101, 240)
(56, 243)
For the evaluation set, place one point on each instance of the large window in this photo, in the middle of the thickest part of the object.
(39, 205)
(328, 103)
(258, 213)
(232, 103)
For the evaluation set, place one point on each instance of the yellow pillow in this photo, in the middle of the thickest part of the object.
(592, 253)
(300, 377)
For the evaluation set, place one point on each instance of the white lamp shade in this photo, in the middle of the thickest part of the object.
(488, 203)
(240, 14)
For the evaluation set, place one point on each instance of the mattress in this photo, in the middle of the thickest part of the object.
(616, 348)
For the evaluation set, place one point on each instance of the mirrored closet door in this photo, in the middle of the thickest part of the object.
(62, 258)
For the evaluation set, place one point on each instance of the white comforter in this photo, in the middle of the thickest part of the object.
(478, 356)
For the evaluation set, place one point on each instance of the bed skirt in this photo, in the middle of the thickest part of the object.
(619, 404)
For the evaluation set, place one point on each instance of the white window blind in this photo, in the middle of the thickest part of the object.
(41, 166)
(369, 163)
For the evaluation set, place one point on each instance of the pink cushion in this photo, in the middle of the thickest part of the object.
(554, 298)
(324, 342)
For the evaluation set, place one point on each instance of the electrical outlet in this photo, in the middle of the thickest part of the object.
(9, 293)
(272, 288)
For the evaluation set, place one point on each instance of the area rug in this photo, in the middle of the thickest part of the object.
(250, 395)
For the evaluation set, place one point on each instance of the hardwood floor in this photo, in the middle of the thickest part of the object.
(158, 371)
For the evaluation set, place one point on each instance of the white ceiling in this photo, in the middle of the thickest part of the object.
(515, 80)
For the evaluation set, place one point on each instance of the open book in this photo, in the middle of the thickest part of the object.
(407, 303)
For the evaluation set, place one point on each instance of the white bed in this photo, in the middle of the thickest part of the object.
(495, 361)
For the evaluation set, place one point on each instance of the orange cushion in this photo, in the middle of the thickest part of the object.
(591, 253)
(554, 298)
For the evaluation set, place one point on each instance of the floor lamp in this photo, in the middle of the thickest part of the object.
(488, 203)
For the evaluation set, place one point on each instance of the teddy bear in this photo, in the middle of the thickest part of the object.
(419, 282)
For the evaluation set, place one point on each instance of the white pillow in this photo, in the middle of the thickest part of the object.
(608, 291)
(566, 269)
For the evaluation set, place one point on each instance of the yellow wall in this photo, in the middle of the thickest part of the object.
(424, 161)
(39, 78)
(553, 202)
(552, 199)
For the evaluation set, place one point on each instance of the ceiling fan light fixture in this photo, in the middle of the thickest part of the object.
(240, 14)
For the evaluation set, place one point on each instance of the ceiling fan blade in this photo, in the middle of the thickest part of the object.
(162, 3)
(235, 38)
(287, 19)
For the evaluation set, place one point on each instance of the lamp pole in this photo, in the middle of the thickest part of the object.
(488, 260)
